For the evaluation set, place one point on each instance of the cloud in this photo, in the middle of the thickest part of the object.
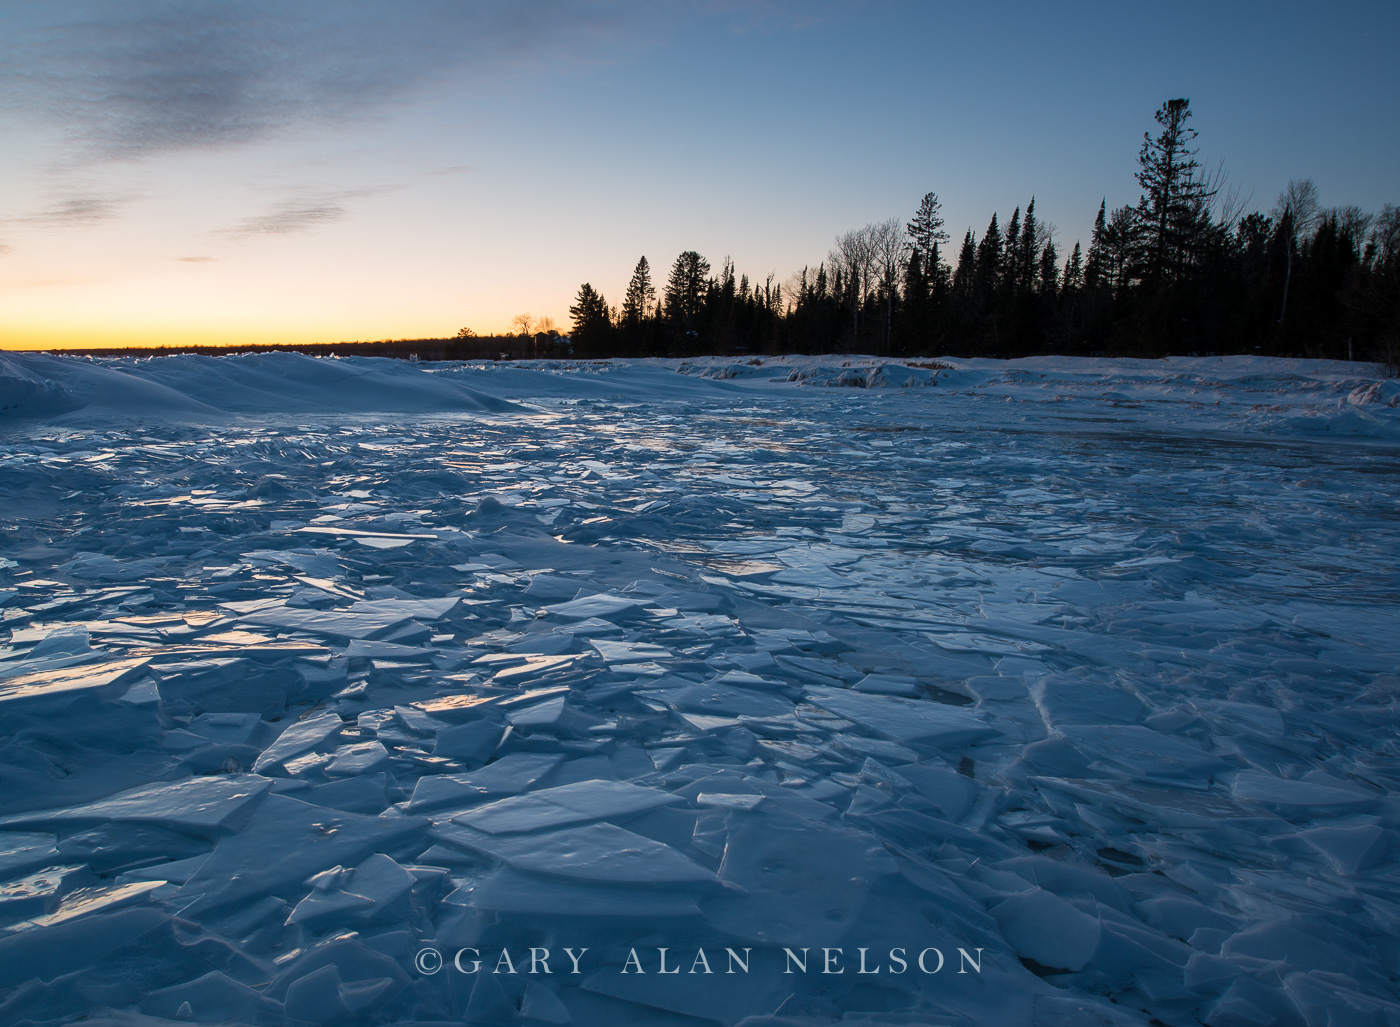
(74, 212)
(290, 219)
(143, 77)
(305, 212)
(195, 260)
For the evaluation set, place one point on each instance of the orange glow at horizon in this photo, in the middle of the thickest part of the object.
(41, 338)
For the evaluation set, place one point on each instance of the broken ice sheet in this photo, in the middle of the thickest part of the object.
(563, 805)
(1239, 756)
(909, 721)
(595, 852)
(199, 806)
(508, 890)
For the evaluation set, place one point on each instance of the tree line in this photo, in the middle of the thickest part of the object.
(1184, 270)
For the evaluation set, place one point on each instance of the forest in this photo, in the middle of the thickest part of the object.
(1183, 271)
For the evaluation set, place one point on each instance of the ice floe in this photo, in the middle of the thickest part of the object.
(1072, 679)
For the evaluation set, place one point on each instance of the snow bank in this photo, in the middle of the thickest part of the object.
(1258, 394)
(191, 387)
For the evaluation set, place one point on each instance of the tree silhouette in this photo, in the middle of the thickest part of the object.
(592, 323)
(1167, 215)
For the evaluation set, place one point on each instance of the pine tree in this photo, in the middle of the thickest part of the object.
(1049, 271)
(926, 232)
(1121, 248)
(1011, 252)
(1026, 250)
(1074, 269)
(685, 291)
(637, 304)
(1167, 219)
(967, 265)
(1095, 269)
(988, 266)
(592, 321)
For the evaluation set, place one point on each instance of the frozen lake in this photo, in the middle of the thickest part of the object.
(1082, 674)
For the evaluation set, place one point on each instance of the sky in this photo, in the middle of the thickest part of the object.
(254, 171)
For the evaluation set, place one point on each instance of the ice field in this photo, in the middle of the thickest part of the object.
(1081, 674)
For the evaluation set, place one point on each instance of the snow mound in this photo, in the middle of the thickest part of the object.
(878, 376)
(186, 386)
(1384, 393)
(26, 394)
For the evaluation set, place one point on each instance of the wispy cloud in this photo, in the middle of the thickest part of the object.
(195, 260)
(73, 212)
(289, 219)
(142, 77)
(304, 211)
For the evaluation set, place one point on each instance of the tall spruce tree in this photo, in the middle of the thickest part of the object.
(1095, 269)
(967, 266)
(1167, 218)
(1074, 269)
(988, 265)
(685, 291)
(1026, 250)
(640, 299)
(1011, 252)
(592, 322)
(926, 232)
(1049, 271)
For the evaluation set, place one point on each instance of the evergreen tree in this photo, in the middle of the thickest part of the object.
(1049, 272)
(640, 298)
(592, 322)
(685, 295)
(1120, 248)
(1011, 252)
(1026, 250)
(1167, 219)
(988, 265)
(1095, 270)
(1074, 269)
(926, 232)
(967, 264)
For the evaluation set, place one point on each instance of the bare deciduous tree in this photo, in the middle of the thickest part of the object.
(523, 323)
(889, 246)
(855, 256)
(1296, 211)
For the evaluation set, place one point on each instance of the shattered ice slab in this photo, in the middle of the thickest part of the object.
(510, 775)
(793, 881)
(285, 844)
(563, 805)
(63, 684)
(299, 739)
(202, 806)
(604, 607)
(363, 620)
(719, 699)
(1300, 795)
(910, 721)
(595, 852)
(507, 890)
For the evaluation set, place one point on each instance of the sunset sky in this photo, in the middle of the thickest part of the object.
(235, 171)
